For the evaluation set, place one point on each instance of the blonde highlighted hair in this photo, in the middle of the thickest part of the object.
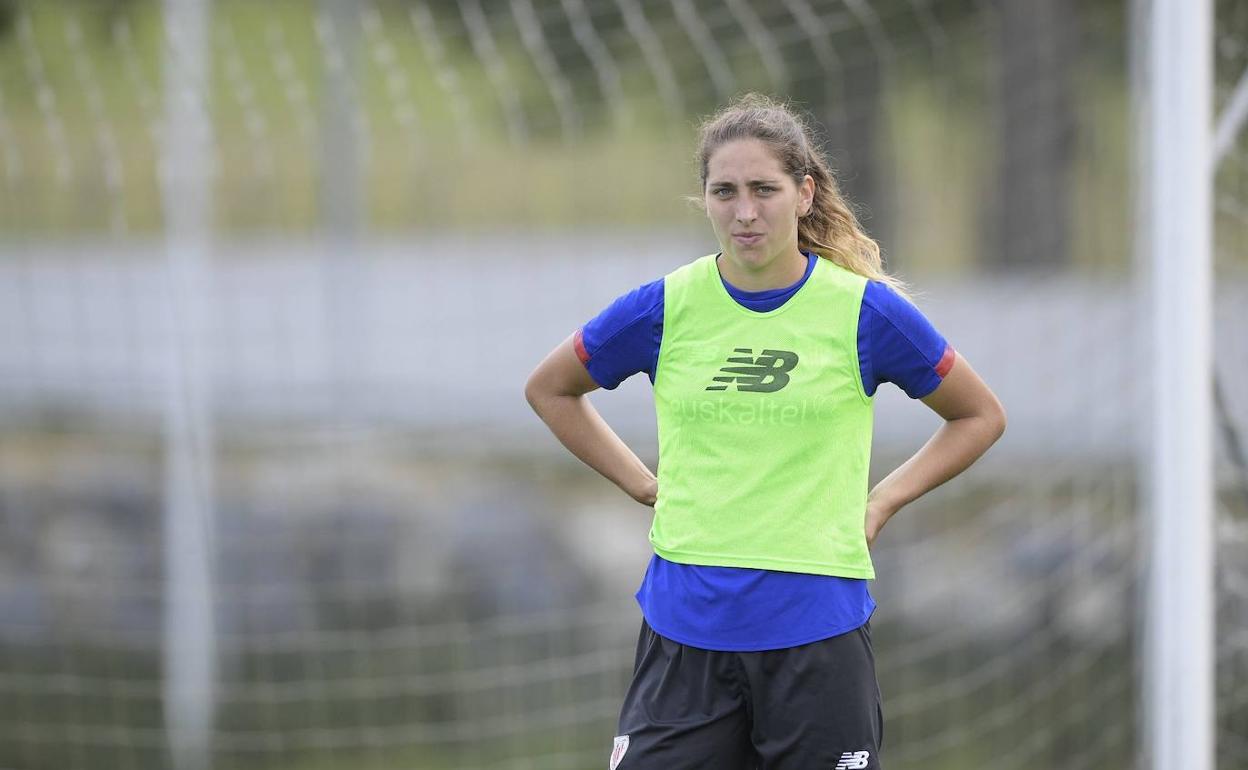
(831, 229)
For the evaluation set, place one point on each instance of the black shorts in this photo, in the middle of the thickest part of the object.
(812, 706)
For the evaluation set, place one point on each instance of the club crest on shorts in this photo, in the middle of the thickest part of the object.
(853, 760)
(617, 752)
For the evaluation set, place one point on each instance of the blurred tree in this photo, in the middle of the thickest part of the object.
(1029, 210)
(860, 166)
(8, 17)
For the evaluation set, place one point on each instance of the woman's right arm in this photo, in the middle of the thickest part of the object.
(556, 391)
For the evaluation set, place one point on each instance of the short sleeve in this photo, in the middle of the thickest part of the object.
(624, 338)
(898, 344)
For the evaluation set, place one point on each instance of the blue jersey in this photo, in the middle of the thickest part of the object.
(735, 609)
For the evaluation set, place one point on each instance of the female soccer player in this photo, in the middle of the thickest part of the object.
(755, 647)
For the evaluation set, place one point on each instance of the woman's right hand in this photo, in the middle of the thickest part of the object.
(557, 392)
(648, 492)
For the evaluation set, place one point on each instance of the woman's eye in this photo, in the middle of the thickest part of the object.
(722, 192)
(764, 189)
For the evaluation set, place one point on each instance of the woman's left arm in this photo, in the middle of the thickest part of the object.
(974, 420)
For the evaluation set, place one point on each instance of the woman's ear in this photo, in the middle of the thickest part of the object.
(805, 196)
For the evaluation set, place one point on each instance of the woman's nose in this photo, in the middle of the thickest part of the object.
(746, 211)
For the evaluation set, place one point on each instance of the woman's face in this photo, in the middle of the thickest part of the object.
(754, 205)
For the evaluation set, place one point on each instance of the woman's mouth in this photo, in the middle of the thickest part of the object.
(747, 239)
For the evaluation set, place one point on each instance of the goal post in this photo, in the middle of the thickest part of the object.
(1179, 694)
(190, 650)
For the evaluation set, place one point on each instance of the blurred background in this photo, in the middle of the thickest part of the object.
(272, 276)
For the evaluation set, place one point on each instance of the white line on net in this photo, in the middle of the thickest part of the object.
(483, 44)
(713, 58)
(45, 97)
(600, 59)
(534, 41)
(445, 75)
(106, 140)
(763, 41)
(653, 53)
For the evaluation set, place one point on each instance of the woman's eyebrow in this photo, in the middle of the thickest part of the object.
(749, 183)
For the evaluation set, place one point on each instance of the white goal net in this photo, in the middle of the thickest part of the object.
(310, 365)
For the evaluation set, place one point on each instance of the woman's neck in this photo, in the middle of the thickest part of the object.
(779, 273)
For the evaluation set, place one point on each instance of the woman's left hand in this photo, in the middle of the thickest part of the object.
(877, 513)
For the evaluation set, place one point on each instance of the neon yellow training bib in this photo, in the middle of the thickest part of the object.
(764, 427)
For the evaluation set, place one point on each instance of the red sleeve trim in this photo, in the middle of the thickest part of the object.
(946, 361)
(579, 344)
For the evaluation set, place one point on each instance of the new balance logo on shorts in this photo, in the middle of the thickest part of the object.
(853, 760)
(765, 374)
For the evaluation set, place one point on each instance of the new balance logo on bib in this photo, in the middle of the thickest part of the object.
(765, 374)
